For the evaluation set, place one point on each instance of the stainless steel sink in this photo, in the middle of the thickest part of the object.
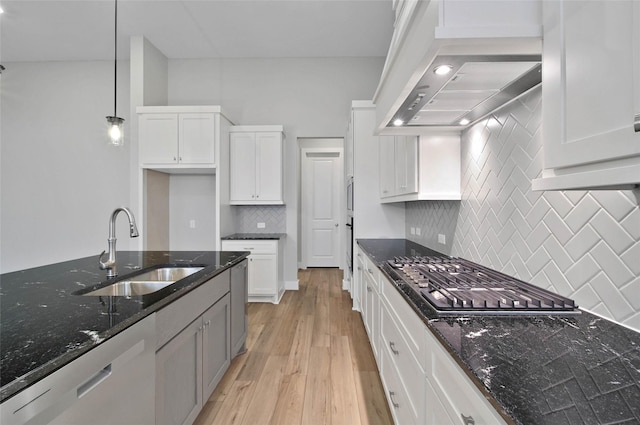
(146, 282)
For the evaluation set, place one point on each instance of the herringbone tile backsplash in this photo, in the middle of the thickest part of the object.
(581, 244)
(273, 216)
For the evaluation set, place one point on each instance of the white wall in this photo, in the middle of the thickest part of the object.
(310, 97)
(60, 180)
(192, 197)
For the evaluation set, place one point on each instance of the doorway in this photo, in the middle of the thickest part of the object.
(322, 230)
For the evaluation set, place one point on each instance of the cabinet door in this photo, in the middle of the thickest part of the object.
(436, 411)
(158, 138)
(588, 74)
(243, 167)
(406, 164)
(387, 166)
(238, 307)
(269, 166)
(179, 377)
(263, 272)
(196, 138)
(216, 345)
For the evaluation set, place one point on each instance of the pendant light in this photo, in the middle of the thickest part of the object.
(116, 136)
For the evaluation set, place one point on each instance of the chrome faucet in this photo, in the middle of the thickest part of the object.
(110, 264)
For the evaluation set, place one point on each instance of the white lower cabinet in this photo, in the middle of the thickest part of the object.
(422, 382)
(371, 308)
(189, 367)
(265, 282)
(460, 398)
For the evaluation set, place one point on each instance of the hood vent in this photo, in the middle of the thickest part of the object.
(473, 87)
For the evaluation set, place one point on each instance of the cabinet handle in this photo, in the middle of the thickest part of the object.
(467, 420)
(392, 345)
(94, 381)
(200, 329)
(369, 270)
(393, 400)
(248, 249)
(174, 159)
(636, 123)
(207, 323)
(359, 268)
(368, 289)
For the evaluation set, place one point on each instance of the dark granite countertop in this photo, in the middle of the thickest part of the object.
(254, 236)
(44, 325)
(535, 369)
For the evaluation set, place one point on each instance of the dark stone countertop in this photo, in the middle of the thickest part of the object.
(254, 236)
(552, 370)
(44, 325)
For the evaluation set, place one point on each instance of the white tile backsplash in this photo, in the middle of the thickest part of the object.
(581, 244)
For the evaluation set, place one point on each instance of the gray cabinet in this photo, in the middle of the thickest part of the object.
(179, 377)
(189, 367)
(216, 345)
(193, 350)
(239, 299)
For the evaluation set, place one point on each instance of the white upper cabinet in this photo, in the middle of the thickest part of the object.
(590, 95)
(256, 165)
(420, 168)
(175, 137)
(398, 165)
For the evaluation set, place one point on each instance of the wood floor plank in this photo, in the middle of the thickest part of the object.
(372, 402)
(308, 361)
(317, 395)
(344, 399)
(288, 410)
(265, 396)
(299, 355)
(234, 407)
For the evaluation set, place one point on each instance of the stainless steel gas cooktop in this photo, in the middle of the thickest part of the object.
(454, 286)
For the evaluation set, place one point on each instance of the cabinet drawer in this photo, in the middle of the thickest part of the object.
(410, 370)
(371, 270)
(395, 393)
(177, 315)
(253, 246)
(409, 324)
(456, 391)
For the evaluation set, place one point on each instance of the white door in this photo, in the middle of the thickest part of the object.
(321, 206)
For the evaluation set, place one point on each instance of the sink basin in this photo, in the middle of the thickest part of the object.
(146, 282)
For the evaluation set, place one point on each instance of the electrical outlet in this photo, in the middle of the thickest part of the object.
(192, 224)
(261, 225)
(413, 230)
(418, 231)
(442, 239)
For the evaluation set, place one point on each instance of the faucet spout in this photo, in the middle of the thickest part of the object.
(110, 263)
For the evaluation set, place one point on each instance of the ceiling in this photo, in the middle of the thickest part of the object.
(48, 30)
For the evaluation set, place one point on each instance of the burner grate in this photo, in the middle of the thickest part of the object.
(456, 285)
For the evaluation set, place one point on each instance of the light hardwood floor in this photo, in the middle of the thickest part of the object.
(308, 362)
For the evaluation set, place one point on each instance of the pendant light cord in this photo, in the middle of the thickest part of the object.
(115, 60)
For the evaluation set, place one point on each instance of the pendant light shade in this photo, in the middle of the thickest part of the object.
(115, 132)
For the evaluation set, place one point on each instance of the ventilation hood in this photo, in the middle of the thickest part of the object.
(474, 86)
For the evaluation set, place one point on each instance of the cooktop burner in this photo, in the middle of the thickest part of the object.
(453, 286)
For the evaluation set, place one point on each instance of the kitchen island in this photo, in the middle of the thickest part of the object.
(542, 369)
(45, 324)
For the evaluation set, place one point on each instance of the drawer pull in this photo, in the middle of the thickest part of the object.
(368, 289)
(392, 345)
(636, 123)
(94, 381)
(467, 420)
(369, 270)
(392, 395)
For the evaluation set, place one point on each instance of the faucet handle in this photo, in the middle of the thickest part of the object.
(103, 265)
